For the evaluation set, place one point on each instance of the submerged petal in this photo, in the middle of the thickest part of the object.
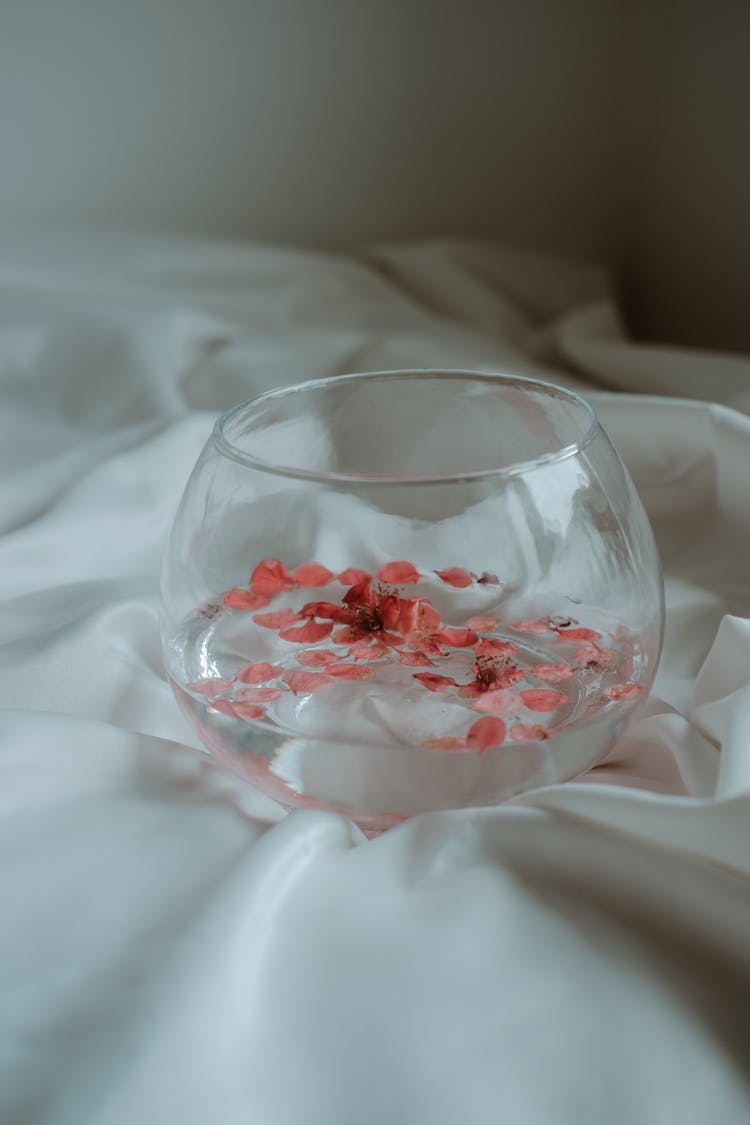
(485, 733)
(399, 573)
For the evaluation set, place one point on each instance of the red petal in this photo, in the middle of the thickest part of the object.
(543, 699)
(457, 638)
(258, 694)
(360, 594)
(509, 677)
(329, 611)
(414, 659)
(553, 673)
(348, 635)
(495, 648)
(312, 574)
(270, 577)
(433, 682)
(500, 702)
(244, 599)
(390, 608)
(278, 619)
(485, 733)
(399, 574)
(481, 624)
(250, 711)
(470, 691)
(317, 657)
(210, 687)
(446, 744)
(308, 681)
(524, 732)
(348, 671)
(455, 576)
(308, 633)
(579, 635)
(624, 691)
(418, 618)
(353, 577)
(259, 673)
(225, 707)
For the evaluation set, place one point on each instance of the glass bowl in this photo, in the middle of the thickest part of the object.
(410, 590)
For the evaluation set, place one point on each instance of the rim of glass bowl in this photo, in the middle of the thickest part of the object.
(228, 449)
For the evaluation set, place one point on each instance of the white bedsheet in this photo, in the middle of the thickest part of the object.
(578, 957)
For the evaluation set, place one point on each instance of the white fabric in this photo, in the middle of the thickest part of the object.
(578, 956)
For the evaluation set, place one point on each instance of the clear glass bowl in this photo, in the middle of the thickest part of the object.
(402, 591)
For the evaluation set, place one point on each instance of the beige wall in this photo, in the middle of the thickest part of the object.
(595, 127)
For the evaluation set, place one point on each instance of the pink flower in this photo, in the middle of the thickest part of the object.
(455, 576)
(244, 599)
(399, 574)
(543, 699)
(259, 673)
(485, 733)
(367, 616)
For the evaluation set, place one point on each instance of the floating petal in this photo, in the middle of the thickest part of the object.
(543, 699)
(579, 635)
(244, 599)
(399, 573)
(317, 658)
(501, 702)
(278, 619)
(215, 686)
(433, 682)
(481, 624)
(553, 673)
(270, 577)
(414, 659)
(307, 682)
(258, 694)
(453, 744)
(312, 574)
(525, 732)
(348, 671)
(624, 691)
(485, 733)
(503, 649)
(259, 673)
(308, 633)
(353, 577)
(455, 576)
(457, 638)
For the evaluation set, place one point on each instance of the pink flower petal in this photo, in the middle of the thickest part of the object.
(210, 687)
(367, 650)
(399, 574)
(553, 673)
(481, 624)
(259, 673)
(457, 638)
(317, 657)
(470, 691)
(510, 676)
(312, 574)
(485, 733)
(279, 619)
(539, 625)
(455, 576)
(353, 577)
(594, 655)
(329, 611)
(413, 659)
(543, 699)
(308, 633)
(504, 649)
(225, 707)
(500, 702)
(624, 691)
(390, 608)
(486, 578)
(361, 594)
(258, 694)
(244, 599)
(250, 711)
(579, 635)
(525, 732)
(348, 671)
(307, 682)
(270, 577)
(417, 619)
(433, 682)
(451, 744)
